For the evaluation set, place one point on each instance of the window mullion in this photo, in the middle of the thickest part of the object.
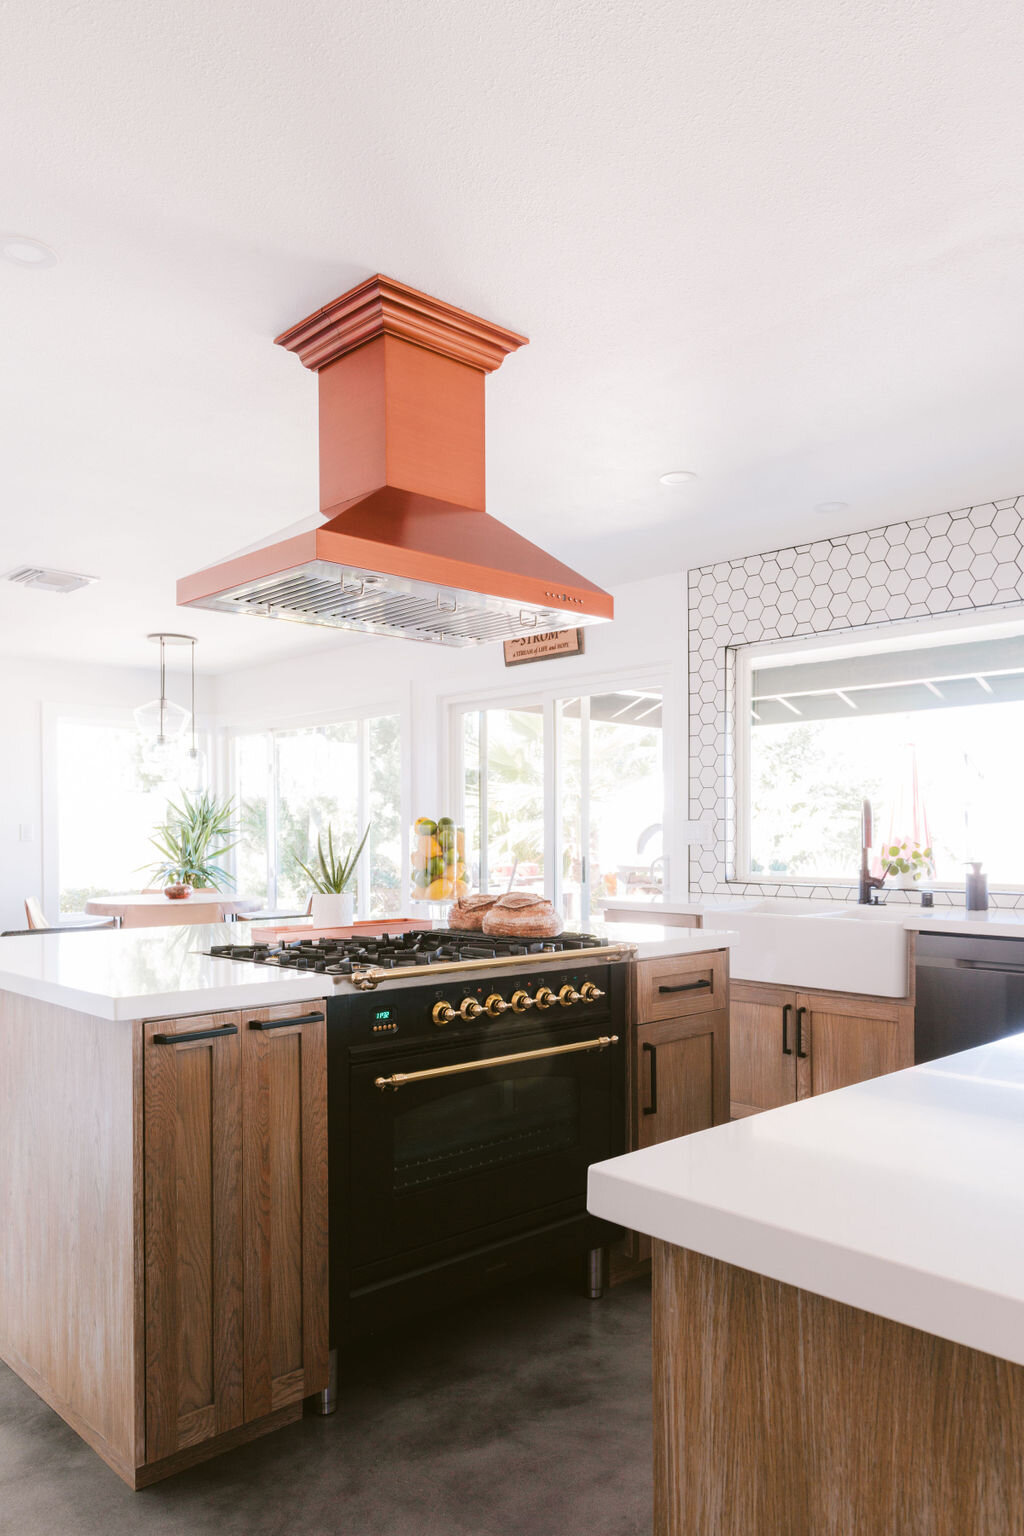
(362, 805)
(584, 811)
(552, 840)
(271, 793)
(485, 875)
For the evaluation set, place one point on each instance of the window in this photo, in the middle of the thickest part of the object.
(293, 785)
(110, 797)
(930, 728)
(566, 796)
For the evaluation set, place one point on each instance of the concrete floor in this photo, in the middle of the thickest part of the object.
(524, 1414)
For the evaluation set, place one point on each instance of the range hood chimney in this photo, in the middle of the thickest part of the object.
(406, 547)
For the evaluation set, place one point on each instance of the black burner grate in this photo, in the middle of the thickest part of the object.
(340, 957)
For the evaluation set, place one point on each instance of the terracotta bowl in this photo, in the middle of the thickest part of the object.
(177, 892)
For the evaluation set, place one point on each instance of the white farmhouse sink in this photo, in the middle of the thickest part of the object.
(826, 946)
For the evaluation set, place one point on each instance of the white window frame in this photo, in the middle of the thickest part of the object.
(743, 661)
(548, 696)
(119, 716)
(361, 716)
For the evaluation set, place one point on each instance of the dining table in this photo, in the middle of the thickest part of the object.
(152, 909)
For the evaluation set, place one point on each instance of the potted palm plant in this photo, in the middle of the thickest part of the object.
(190, 840)
(330, 878)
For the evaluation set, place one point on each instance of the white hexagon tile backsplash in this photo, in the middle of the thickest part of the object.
(969, 559)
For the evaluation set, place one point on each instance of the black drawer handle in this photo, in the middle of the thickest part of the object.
(801, 1053)
(787, 1009)
(652, 1107)
(688, 986)
(300, 1018)
(196, 1034)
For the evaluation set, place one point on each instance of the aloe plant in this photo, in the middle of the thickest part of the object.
(332, 875)
(186, 841)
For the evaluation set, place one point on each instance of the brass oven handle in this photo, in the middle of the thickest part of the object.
(399, 1079)
(370, 978)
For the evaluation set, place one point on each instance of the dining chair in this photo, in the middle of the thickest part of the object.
(38, 922)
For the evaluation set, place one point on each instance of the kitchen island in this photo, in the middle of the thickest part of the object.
(839, 1308)
(163, 1177)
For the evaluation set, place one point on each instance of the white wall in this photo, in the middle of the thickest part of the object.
(27, 690)
(648, 635)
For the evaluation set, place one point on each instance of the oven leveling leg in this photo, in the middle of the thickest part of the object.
(597, 1272)
(327, 1400)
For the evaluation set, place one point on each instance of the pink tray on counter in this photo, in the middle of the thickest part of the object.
(261, 933)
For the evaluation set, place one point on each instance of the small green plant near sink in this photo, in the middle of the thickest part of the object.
(190, 840)
(907, 858)
(330, 877)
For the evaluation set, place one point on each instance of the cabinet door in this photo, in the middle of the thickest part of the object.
(284, 1078)
(844, 1040)
(192, 1098)
(682, 1076)
(680, 1079)
(762, 1030)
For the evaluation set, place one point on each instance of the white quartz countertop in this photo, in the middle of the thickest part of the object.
(902, 1196)
(144, 973)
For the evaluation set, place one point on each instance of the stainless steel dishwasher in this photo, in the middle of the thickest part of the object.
(970, 990)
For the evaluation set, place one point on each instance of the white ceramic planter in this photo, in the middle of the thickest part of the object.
(333, 911)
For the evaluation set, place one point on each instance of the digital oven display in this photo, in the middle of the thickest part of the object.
(384, 1021)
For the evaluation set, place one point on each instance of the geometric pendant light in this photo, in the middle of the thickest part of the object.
(161, 718)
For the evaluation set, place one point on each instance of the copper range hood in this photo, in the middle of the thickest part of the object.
(406, 548)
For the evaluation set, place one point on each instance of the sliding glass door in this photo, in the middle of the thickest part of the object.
(566, 796)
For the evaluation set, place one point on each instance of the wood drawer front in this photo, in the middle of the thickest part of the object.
(670, 989)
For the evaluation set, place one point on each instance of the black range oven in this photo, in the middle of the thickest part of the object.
(463, 1119)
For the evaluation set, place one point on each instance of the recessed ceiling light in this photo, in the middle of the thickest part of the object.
(23, 251)
(678, 476)
(831, 506)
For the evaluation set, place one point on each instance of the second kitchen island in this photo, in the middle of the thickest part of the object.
(839, 1308)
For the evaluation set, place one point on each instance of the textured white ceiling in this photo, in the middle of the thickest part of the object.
(782, 245)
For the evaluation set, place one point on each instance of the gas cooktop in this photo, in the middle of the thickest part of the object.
(427, 946)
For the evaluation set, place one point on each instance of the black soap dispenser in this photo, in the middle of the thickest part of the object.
(976, 890)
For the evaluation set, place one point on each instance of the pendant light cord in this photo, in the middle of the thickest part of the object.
(163, 690)
(194, 752)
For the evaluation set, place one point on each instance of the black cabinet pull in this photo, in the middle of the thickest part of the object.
(195, 1034)
(652, 1107)
(801, 1053)
(787, 1009)
(688, 986)
(300, 1018)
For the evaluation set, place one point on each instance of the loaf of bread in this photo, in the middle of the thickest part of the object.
(519, 916)
(467, 914)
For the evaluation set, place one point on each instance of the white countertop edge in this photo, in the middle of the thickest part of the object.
(225, 997)
(964, 1314)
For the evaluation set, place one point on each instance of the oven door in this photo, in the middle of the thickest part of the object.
(500, 1133)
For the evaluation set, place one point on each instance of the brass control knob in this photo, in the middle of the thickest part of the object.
(590, 993)
(545, 998)
(496, 1005)
(470, 1008)
(443, 1012)
(568, 995)
(521, 1001)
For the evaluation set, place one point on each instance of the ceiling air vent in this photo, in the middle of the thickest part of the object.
(49, 581)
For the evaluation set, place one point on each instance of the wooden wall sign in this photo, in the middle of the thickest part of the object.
(563, 642)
